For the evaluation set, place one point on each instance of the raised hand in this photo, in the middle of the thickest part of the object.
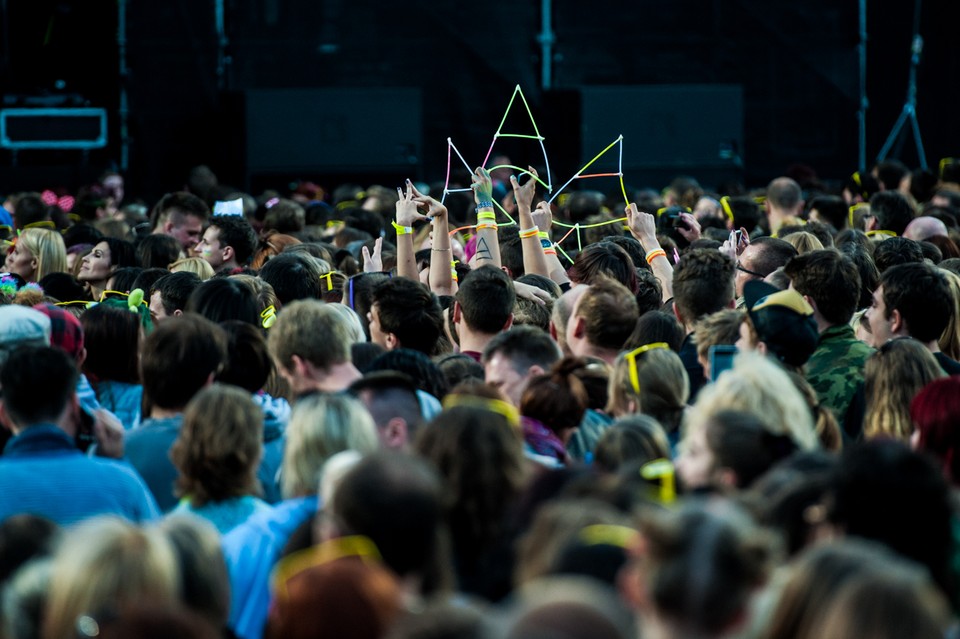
(407, 212)
(524, 194)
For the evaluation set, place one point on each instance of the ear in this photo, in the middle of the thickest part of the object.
(535, 370)
(81, 357)
(167, 226)
(897, 325)
(392, 342)
(633, 406)
(394, 434)
(762, 348)
(507, 271)
(228, 253)
(579, 327)
(553, 331)
(508, 323)
(677, 314)
(299, 368)
(872, 223)
(178, 312)
(456, 312)
(811, 302)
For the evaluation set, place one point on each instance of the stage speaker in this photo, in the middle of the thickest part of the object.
(310, 131)
(668, 130)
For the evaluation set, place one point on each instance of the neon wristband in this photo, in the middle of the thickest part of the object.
(486, 215)
(486, 226)
(402, 230)
(531, 232)
(654, 254)
(544, 235)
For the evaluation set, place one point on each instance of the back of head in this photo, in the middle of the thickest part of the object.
(249, 364)
(771, 253)
(204, 582)
(112, 337)
(935, 411)
(346, 598)
(108, 564)
(411, 312)
(701, 567)
(311, 331)
(637, 439)
(662, 385)
(293, 277)
(830, 209)
(524, 346)
(175, 289)
(396, 501)
(882, 490)
(895, 251)
(158, 251)
(892, 211)
(759, 386)
(222, 298)
(609, 311)
(783, 321)
(897, 601)
(830, 279)
(568, 608)
(702, 284)
(890, 173)
(558, 398)
(893, 375)
(66, 332)
(486, 299)
(37, 383)
(656, 326)
(388, 395)
(921, 295)
(321, 426)
(424, 373)
(219, 446)
(603, 259)
(179, 358)
(784, 194)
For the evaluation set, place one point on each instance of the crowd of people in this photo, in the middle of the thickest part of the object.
(385, 413)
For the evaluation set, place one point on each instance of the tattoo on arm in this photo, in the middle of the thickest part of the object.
(483, 251)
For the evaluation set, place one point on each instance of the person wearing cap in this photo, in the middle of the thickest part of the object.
(913, 300)
(779, 324)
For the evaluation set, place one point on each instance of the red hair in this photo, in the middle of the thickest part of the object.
(935, 412)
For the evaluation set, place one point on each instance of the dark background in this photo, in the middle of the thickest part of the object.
(796, 63)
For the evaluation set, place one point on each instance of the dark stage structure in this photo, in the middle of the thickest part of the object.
(269, 91)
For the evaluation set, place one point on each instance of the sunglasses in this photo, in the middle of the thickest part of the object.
(631, 359)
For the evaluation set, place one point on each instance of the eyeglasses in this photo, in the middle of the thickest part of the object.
(749, 272)
(631, 359)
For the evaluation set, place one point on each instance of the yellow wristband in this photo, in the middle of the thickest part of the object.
(543, 235)
(487, 215)
(486, 226)
(530, 232)
(402, 230)
(654, 254)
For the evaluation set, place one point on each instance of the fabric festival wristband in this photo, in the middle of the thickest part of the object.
(530, 232)
(402, 230)
(485, 204)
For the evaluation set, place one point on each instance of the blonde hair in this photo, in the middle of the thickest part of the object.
(312, 330)
(758, 386)
(196, 265)
(892, 377)
(664, 387)
(352, 320)
(108, 563)
(48, 248)
(803, 241)
(950, 339)
(320, 427)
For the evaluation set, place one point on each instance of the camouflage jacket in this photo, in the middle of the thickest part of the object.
(835, 370)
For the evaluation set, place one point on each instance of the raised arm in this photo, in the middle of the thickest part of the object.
(543, 219)
(488, 246)
(534, 260)
(441, 256)
(406, 215)
(643, 227)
